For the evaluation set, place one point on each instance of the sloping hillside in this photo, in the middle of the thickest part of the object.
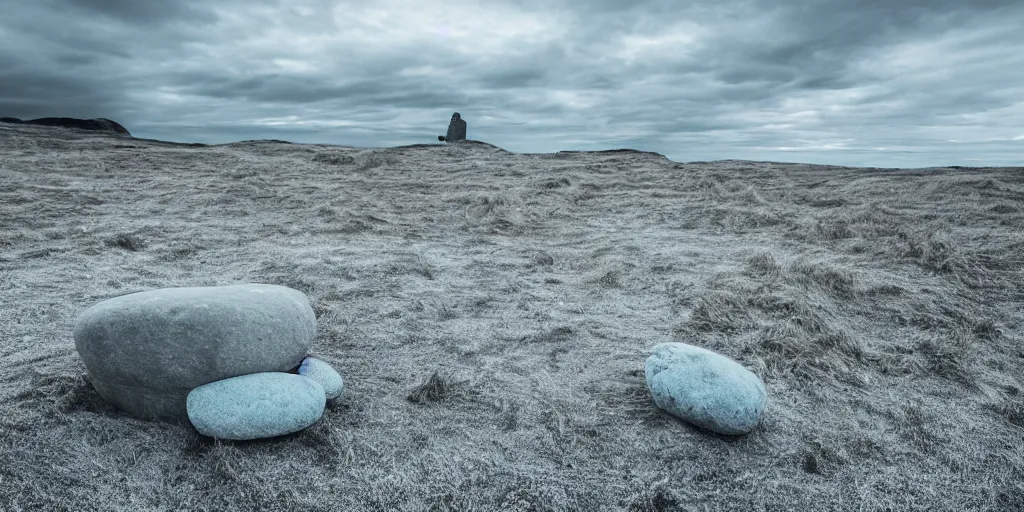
(882, 307)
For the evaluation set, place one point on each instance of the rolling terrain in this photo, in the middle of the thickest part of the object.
(491, 313)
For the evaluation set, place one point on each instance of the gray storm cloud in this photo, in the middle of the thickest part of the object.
(866, 82)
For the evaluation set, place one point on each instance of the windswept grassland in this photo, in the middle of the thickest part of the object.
(491, 313)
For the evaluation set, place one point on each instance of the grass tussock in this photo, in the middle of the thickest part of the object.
(434, 388)
(793, 336)
(1012, 410)
(951, 355)
(554, 335)
(763, 265)
(830, 278)
(543, 259)
(127, 241)
(334, 158)
(502, 213)
(364, 160)
(423, 267)
(555, 183)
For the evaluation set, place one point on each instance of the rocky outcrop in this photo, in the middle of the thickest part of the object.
(99, 124)
(456, 130)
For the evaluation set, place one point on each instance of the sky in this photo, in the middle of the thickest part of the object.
(876, 83)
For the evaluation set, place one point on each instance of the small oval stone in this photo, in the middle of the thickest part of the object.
(322, 373)
(255, 406)
(705, 388)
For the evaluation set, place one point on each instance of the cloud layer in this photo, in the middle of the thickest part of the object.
(854, 82)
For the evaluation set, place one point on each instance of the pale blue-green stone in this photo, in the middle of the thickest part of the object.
(323, 374)
(705, 388)
(255, 406)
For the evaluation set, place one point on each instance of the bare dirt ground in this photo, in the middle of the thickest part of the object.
(882, 307)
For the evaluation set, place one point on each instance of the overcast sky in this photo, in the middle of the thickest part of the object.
(887, 83)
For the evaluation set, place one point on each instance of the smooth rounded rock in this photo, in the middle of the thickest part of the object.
(146, 351)
(323, 374)
(705, 388)
(255, 406)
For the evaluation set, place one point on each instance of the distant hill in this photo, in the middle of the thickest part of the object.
(100, 124)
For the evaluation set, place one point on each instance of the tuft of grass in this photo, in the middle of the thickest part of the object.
(658, 497)
(722, 311)
(81, 396)
(810, 464)
(490, 204)
(374, 158)
(445, 312)
(553, 335)
(829, 278)
(932, 251)
(582, 194)
(951, 356)
(543, 259)
(610, 279)
(743, 218)
(327, 212)
(833, 230)
(127, 242)
(434, 388)
(556, 183)
(763, 265)
(181, 253)
(508, 420)
(790, 334)
(423, 267)
(1012, 411)
(334, 158)
(1004, 208)
(502, 213)
(809, 348)
(750, 196)
(826, 203)
(528, 494)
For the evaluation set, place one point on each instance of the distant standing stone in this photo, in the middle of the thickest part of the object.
(456, 130)
(705, 388)
(322, 373)
(256, 406)
(145, 351)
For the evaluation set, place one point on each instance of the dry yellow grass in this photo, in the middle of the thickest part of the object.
(490, 313)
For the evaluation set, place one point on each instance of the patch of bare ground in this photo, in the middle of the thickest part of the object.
(491, 312)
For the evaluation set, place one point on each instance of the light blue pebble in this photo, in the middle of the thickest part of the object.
(255, 406)
(705, 388)
(323, 374)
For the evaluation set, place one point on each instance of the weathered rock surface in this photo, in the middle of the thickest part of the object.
(99, 124)
(255, 406)
(322, 373)
(705, 388)
(146, 351)
(456, 130)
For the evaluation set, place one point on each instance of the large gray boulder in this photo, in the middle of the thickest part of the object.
(705, 388)
(146, 351)
(255, 406)
(456, 130)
